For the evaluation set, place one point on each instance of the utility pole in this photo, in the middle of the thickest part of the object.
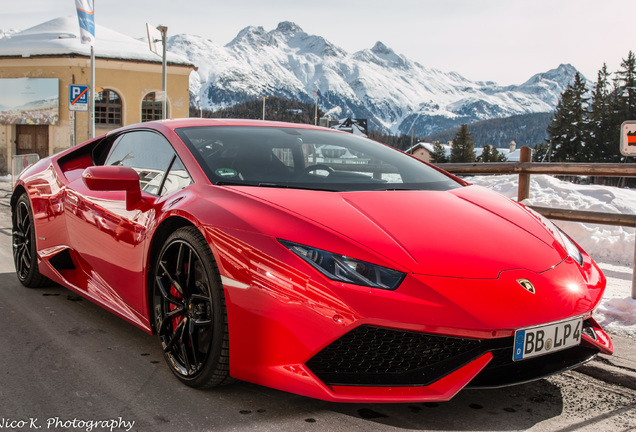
(91, 96)
(201, 99)
(316, 109)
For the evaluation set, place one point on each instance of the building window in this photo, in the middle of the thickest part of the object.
(108, 108)
(151, 108)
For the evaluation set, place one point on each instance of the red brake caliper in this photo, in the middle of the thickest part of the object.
(176, 319)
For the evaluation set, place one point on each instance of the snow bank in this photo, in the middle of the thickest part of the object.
(611, 247)
(617, 311)
(605, 243)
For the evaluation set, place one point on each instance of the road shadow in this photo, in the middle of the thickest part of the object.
(510, 409)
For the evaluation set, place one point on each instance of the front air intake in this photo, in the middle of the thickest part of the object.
(371, 355)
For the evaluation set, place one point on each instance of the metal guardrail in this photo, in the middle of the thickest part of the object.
(20, 162)
(524, 168)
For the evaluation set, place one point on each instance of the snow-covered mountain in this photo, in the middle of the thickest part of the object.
(5, 34)
(390, 90)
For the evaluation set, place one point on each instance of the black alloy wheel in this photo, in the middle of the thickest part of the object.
(189, 310)
(24, 250)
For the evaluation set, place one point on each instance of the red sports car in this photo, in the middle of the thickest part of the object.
(308, 260)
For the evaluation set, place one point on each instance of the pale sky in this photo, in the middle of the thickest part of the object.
(506, 41)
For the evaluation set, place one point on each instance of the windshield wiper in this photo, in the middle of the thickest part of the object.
(238, 183)
(395, 189)
(233, 183)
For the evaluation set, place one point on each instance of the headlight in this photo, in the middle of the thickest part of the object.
(345, 269)
(565, 241)
(571, 247)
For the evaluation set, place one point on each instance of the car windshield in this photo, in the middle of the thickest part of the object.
(301, 158)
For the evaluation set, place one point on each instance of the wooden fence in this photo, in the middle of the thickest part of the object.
(524, 168)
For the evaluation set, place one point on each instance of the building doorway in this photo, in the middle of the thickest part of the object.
(32, 139)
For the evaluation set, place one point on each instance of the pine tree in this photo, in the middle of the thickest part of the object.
(603, 147)
(486, 154)
(439, 153)
(491, 154)
(498, 157)
(569, 131)
(463, 146)
(540, 152)
(627, 85)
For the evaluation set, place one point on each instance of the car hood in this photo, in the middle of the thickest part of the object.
(469, 232)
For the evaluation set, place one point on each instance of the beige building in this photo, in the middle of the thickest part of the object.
(38, 67)
(423, 151)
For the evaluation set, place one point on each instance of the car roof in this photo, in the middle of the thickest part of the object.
(198, 122)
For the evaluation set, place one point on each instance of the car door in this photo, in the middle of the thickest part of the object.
(111, 240)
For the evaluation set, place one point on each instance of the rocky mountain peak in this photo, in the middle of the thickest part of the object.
(380, 49)
(288, 27)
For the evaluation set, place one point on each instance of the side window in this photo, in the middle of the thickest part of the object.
(151, 155)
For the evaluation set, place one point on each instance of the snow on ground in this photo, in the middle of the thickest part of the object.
(611, 247)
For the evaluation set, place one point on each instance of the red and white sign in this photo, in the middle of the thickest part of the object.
(628, 138)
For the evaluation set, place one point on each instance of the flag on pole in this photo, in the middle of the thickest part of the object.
(86, 17)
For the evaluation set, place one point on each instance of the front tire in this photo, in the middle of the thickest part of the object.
(189, 310)
(24, 247)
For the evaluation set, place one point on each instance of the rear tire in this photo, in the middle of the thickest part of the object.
(189, 310)
(24, 248)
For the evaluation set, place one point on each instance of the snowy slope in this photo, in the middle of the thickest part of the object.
(393, 92)
(7, 33)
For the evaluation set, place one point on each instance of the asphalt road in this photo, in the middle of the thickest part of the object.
(65, 364)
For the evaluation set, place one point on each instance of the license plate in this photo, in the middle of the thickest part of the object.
(547, 338)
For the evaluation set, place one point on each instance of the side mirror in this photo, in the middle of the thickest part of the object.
(114, 178)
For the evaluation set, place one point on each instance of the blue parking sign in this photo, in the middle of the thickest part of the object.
(78, 100)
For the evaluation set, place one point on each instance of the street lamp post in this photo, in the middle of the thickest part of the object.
(164, 103)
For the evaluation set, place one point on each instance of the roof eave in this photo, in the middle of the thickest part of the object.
(76, 55)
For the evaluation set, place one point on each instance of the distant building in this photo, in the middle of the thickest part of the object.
(424, 151)
(38, 65)
(513, 147)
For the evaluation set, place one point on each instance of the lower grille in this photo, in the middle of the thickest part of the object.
(380, 356)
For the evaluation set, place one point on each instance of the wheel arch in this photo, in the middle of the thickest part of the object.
(17, 192)
(161, 234)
